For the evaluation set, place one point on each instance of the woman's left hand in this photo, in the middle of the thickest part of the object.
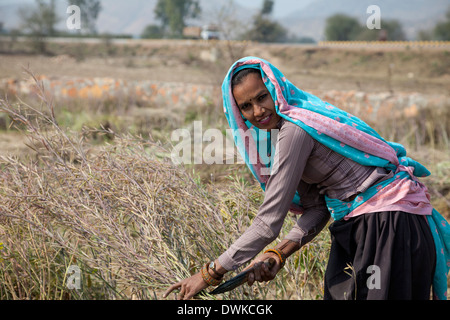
(188, 287)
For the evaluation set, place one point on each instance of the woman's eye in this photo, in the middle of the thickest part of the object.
(262, 97)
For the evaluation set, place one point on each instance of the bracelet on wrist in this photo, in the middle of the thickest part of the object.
(280, 255)
(208, 278)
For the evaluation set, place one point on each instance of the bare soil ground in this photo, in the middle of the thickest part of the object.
(309, 67)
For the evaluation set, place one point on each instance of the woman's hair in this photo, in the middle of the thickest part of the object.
(239, 76)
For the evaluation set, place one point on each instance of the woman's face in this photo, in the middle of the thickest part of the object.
(255, 102)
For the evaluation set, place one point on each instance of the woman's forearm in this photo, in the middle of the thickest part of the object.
(287, 247)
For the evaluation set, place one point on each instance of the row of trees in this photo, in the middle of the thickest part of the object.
(264, 29)
(341, 27)
(41, 20)
(173, 14)
(440, 32)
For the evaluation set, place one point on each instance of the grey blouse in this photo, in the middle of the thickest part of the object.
(312, 169)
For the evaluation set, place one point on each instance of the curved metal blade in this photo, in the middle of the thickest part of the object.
(238, 280)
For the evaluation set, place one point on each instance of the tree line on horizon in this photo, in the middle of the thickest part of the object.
(172, 15)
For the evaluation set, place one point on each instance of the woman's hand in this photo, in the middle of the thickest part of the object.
(261, 271)
(188, 287)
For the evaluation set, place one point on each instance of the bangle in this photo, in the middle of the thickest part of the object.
(280, 255)
(208, 278)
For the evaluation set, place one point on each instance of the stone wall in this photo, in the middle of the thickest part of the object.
(156, 94)
(368, 106)
(382, 105)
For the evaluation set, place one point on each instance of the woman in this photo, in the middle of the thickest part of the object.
(329, 162)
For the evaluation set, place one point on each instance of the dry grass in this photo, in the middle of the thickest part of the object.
(132, 221)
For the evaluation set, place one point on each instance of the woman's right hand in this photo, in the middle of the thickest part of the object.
(261, 270)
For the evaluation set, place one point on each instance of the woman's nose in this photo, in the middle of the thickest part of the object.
(258, 110)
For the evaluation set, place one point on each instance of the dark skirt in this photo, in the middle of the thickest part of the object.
(379, 256)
